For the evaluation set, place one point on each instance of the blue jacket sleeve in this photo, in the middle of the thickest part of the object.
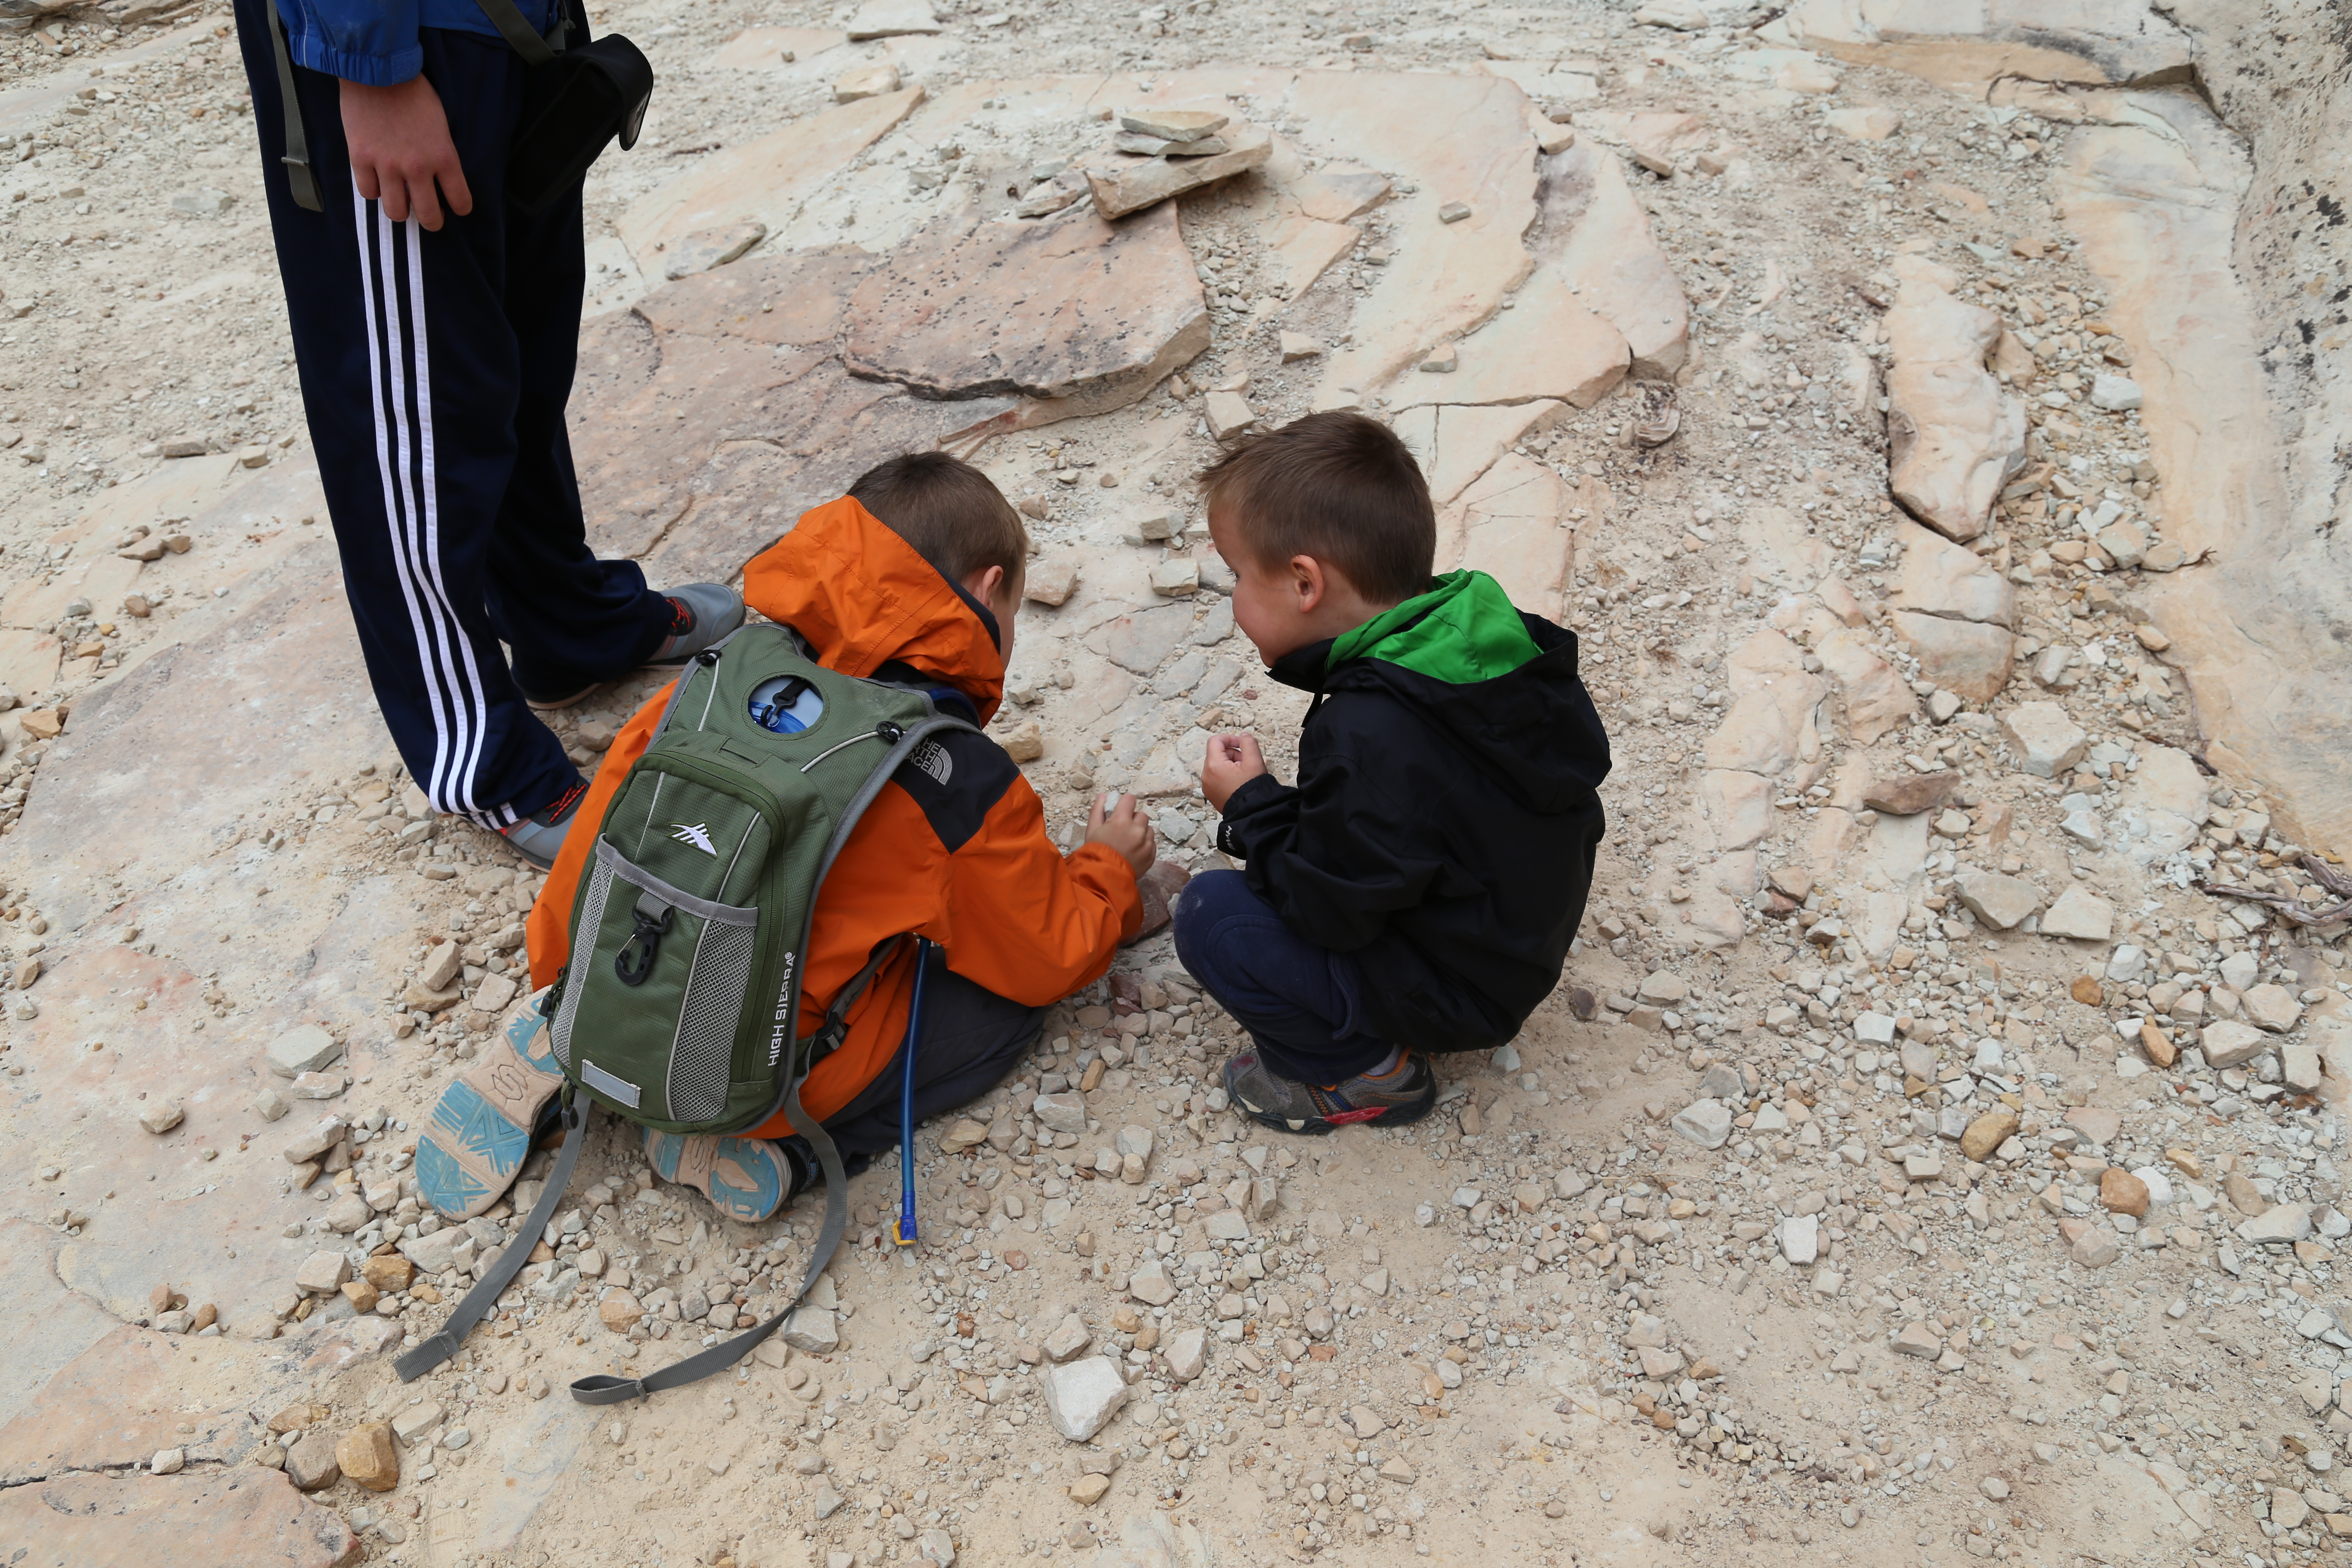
(371, 42)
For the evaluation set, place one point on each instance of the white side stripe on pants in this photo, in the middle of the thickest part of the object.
(397, 361)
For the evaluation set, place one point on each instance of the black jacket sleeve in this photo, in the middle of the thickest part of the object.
(1338, 854)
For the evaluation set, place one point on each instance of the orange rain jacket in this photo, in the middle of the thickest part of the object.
(966, 863)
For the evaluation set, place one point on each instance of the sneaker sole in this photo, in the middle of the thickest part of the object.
(755, 1157)
(556, 704)
(481, 1129)
(1379, 1116)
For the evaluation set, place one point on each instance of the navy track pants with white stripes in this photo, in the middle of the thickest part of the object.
(434, 371)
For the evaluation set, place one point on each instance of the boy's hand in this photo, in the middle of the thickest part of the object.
(1233, 761)
(399, 138)
(1126, 829)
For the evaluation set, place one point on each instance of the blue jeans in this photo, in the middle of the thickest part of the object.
(1300, 1002)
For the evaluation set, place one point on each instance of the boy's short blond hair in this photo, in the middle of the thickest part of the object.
(1338, 487)
(952, 513)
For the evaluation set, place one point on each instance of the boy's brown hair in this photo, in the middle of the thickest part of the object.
(1340, 488)
(952, 513)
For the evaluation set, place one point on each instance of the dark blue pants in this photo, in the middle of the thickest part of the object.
(434, 371)
(972, 1038)
(1299, 1002)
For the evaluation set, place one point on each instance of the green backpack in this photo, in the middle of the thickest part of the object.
(677, 1007)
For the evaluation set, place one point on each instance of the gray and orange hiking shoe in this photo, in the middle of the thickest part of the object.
(1406, 1092)
(700, 613)
(539, 837)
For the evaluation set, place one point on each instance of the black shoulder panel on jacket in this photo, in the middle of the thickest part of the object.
(956, 777)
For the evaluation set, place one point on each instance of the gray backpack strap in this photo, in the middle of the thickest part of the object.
(444, 1342)
(298, 174)
(601, 1388)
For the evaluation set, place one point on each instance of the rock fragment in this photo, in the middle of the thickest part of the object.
(2046, 741)
(1083, 1395)
(1953, 434)
(1999, 902)
(306, 1048)
(367, 1457)
(2080, 914)
(159, 1116)
(1131, 187)
(865, 81)
(1705, 1123)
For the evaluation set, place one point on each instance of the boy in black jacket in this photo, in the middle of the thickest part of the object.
(1417, 890)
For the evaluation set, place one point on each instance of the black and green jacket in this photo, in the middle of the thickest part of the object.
(1445, 821)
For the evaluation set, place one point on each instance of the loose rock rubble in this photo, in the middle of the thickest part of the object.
(1920, 1147)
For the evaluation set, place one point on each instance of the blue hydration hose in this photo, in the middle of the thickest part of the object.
(904, 1232)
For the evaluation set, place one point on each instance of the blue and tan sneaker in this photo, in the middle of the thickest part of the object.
(1406, 1092)
(748, 1178)
(481, 1130)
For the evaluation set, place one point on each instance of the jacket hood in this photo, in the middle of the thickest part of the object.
(863, 598)
(1500, 682)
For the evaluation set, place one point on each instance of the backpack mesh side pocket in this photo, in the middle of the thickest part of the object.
(702, 1056)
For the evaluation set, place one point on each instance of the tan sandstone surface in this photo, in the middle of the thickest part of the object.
(1924, 414)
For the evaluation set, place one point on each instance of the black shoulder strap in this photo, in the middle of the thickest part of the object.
(444, 1342)
(296, 160)
(534, 49)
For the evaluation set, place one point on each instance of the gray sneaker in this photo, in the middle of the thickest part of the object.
(539, 837)
(700, 613)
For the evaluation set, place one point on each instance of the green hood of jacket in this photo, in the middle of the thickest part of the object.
(1462, 631)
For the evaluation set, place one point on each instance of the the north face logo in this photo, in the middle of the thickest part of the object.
(933, 758)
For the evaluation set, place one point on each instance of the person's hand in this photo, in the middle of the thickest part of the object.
(399, 138)
(1233, 761)
(1124, 829)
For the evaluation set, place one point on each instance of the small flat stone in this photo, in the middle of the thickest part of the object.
(1173, 124)
(812, 1329)
(159, 1116)
(891, 19)
(1705, 1123)
(2081, 915)
(1149, 1284)
(2228, 1042)
(865, 81)
(2046, 741)
(1911, 793)
(2278, 1225)
(1919, 1339)
(1082, 1396)
(1228, 414)
(304, 1050)
(1187, 1350)
(1997, 901)
(1064, 1112)
(1121, 191)
(322, 1273)
(2268, 1006)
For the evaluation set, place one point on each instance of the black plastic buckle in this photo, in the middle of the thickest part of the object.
(646, 938)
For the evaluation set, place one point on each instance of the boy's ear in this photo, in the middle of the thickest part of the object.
(985, 584)
(1307, 581)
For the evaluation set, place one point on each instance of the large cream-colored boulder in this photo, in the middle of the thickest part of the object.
(1953, 434)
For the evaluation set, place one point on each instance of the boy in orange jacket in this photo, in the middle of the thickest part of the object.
(914, 577)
